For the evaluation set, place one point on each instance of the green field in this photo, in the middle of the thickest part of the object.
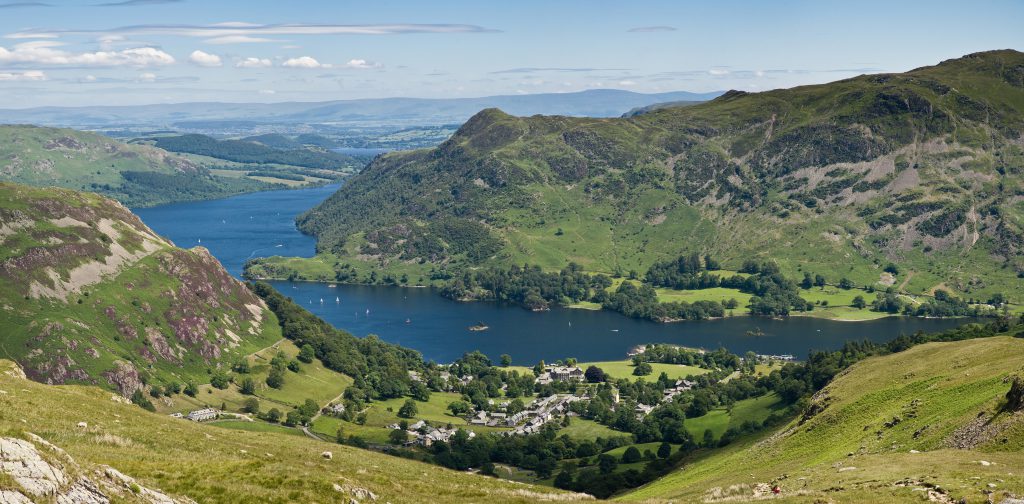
(718, 420)
(581, 428)
(624, 369)
(256, 427)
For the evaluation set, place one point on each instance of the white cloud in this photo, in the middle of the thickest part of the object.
(718, 72)
(238, 39)
(89, 78)
(47, 53)
(31, 75)
(204, 59)
(147, 77)
(361, 64)
(304, 62)
(267, 91)
(253, 63)
(627, 83)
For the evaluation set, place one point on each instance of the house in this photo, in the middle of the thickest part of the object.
(643, 410)
(418, 425)
(177, 415)
(565, 373)
(202, 415)
(334, 409)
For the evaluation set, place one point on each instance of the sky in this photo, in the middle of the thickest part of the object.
(131, 52)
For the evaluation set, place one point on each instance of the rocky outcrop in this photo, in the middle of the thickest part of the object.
(124, 377)
(45, 473)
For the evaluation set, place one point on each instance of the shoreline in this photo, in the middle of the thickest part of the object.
(598, 308)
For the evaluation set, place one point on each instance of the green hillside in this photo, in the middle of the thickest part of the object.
(927, 422)
(921, 169)
(89, 294)
(136, 175)
(185, 460)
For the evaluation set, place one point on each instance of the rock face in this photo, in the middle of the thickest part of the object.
(45, 473)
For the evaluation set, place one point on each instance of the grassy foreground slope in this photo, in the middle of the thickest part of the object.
(89, 294)
(136, 175)
(889, 429)
(210, 464)
(923, 169)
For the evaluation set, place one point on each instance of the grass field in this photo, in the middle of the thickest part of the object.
(719, 420)
(853, 450)
(624, 369)
(256, 427)
(581, 428)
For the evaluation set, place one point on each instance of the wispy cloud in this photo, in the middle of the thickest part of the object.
(204, 59)
(137, 3)
(651, 29)
(47, 53)
(17, 5)
(239, 39)
(255, 30)
(31, 75)
(555, 69)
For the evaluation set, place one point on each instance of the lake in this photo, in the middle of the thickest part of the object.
(262, 224)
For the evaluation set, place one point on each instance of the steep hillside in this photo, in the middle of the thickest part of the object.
(923, 169)
(135, 175)
(930, 423)
(89, 294)
(78, 441)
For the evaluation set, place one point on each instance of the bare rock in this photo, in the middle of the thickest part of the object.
(125, 377)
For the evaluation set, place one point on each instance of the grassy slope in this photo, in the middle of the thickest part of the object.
(847, 454)
(624, 369)
(129, 312)
(627, 192)
(88, 161)
(211, 464)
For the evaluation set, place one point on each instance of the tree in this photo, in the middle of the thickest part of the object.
(564, 480)
(220, 380)
(643, 369)
(142, 401)
(506, 360)
(859, 303)
(248, 386)
(709, 438)
(398, 436)
(307, 353)
(631, 455)
(276, 378)
(515, 406)
(891, 268)
(606, 463)
(251, 405)
(594, 374)
(845, 283)
(807, 282)
(819, 280)
(420, 392)
(458, 408)
(293, 366)
(191, 389)
(274, 415)
(408, 410)
(730, 304)
(664, 450)
(293, 418)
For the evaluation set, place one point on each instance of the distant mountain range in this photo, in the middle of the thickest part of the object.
(404, 111)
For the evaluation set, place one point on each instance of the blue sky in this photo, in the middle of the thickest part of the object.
(63, 52)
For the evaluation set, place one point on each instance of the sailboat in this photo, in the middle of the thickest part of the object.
(321, 300)
(337, 299)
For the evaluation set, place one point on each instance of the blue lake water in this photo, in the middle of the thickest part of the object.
(262, 224)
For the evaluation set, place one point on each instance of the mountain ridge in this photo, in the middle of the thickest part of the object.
(814, 165)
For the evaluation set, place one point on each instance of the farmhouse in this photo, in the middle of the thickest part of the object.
(202, 415)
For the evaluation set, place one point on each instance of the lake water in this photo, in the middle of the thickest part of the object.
(262, 224)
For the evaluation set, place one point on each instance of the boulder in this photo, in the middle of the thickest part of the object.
(327, 455)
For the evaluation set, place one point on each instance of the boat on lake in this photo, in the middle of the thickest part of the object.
(480, 326)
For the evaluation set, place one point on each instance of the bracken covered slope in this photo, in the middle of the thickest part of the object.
(922, 168)
(89, 294)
